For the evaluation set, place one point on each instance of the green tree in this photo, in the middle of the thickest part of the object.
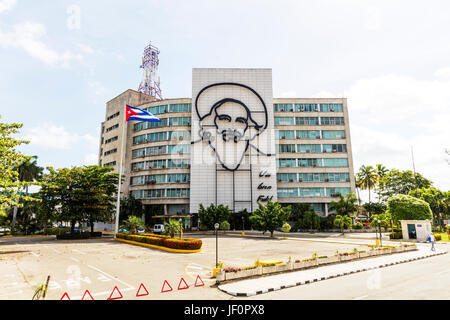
(343, 222)
(384, 218)
(436, 199)
(172, 227)
(345, 205)
(404, 207)
(213, 214)
(367, 178)
(310, 220)
(131, 207)
(401, 182)
(269, 216)
(79, 194)
(374, 207)
(133, 223)
(10, 159)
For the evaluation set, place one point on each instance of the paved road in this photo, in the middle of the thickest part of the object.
(423, 279)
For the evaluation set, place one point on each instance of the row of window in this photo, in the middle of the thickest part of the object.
(160, 164)
(160, 193)
(179, 107)
(115, 115)
(110, 152)
(162, 136)
(313, 177)
(309, 134)
(312, 192)
(112, 127)
(154, 151)
(165, 122)
(308, 121)
(310, 148)
(109, 164)
(161, 178)
(326, 162)
(308, 107)
(111, 139)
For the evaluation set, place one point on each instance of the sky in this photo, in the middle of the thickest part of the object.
(61, 61)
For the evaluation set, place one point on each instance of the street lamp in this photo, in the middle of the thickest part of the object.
(181, 228)
(216, 227)
(379, 226)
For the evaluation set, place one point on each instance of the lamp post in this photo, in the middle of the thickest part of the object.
(216, 227)
(181, 228)
(379, 227)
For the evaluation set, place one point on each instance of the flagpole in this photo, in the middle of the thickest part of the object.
(116, 228)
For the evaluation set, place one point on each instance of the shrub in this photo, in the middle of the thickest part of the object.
(56, 231)
(72, 236)
(231, 269)
(224, 225)
(357, 226)
(396, 235)
(286, 227)
(437, 237)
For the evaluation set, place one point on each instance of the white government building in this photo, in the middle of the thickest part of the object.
(231, 144)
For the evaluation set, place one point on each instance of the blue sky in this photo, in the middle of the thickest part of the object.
(62, 60)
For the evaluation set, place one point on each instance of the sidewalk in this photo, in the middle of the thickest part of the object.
(277, 282)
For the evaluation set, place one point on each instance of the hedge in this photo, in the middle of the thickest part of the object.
(163, 241)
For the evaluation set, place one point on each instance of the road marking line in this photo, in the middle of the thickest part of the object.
(113, 278)
(78, 251)
(35, 254)
(75, 259)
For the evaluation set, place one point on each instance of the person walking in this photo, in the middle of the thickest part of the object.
(432, 240)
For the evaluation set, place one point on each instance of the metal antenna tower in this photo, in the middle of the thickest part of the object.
(150, 82)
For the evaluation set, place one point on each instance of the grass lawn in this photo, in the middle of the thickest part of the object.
(444, 236)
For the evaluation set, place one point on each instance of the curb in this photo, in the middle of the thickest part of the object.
(158, 247)
(320, 278)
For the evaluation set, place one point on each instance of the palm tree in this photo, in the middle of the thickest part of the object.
(367, 177)
(381, 172)
(172, 227)
(345, 205)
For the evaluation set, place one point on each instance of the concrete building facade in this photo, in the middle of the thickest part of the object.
(232, 144)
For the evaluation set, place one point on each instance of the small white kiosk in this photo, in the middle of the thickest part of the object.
(416, 229)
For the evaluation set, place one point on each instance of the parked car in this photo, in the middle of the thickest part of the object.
(124, 230)
(158, 228)
(140, 230)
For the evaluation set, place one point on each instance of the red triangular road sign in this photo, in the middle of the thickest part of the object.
(142, 294)
(65, 295)
(199, 285)
(115, 298)
(185, 285)
(162, 289)
(87, 291)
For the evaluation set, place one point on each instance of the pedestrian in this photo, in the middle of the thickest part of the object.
(432, 240)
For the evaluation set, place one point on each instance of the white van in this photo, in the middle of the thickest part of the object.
(158, 228)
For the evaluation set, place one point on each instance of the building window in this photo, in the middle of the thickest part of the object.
(109, 164)
(332, 121)
(157, 109)
(310, 177)
(334, 192)
(312, 192)
(308, 134)
(309, 148)
(282, 163)
(178, 163)
(113, 116)
(282, 148)
(335, 162)
(331, 107)
(180, 107)
(110, 152)
(287, 177)
(333, 134)
(112, 127)
(111, 139)
(179, 148)
(287, 192)
(306, 107)
(283, 107)
(180, 135)
(337, 177)
(177, 193)
(284, 121)
(307, 121)
(334, 148)
(284, 134)
(309, 162)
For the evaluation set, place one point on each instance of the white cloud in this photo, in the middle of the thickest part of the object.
(443, 73)
(91, 159)
(373, 18)
(6, 5)
(391, 113)
(51, 136)
(27, 36)
(97, 87)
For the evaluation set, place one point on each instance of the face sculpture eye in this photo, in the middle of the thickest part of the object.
(231, 122)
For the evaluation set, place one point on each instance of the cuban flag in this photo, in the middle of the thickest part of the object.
(137, 114)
